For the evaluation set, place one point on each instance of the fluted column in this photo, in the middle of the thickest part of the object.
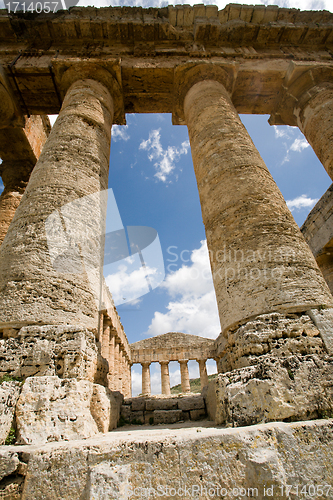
(203, 373)
(260, 261)
(53, 250)
(165, 378)
(146, 389)
(184, 376)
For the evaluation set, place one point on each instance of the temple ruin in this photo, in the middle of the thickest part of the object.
(65, 361)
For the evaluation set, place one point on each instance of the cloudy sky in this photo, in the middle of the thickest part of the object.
(152, 178)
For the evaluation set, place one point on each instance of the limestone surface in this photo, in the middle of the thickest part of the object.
(270, 455)
(286, 389)
(54, 409)
(9, 394)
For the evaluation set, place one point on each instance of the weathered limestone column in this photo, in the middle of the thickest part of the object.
(105, 342)
(116, 367)
(112, 343)
(165, 378)
(314, 118)
(184, 375)
(203, 373)
(120, 370)
(20, 148)
(128, 379)
(259, 259)
(44, 278)
(146, 389)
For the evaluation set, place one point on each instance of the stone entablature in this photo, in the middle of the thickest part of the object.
(172, 346)
(148, 45)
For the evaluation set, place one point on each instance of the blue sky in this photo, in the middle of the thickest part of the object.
(152, 177)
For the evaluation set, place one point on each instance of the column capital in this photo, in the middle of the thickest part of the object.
(302, 82)
(187, 75)
(107, 73)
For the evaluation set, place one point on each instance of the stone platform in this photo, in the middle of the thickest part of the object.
(163, 410)
(260, 461)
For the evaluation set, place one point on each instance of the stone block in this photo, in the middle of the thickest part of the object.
(49, 350)
(125, 412)
(161, 404)
(191, 403)
(104, 408)
(186, 415)
(149, 417)
(9, 463)
(198, 414)
(54, 409)
(9, 394)
(137, 416)
(167, 416)
(138, 404)
(285, 389)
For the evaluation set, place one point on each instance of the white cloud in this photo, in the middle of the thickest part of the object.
(300, 202)
(281, 131)
(120, 133)
(129, 282)
(166, 158)
(193, 308)
(299, 144)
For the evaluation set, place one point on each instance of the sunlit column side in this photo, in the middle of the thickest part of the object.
(203, 373)
(146, 388)
(260, 261)
(74, 163)
(165, 378)
(185, 377)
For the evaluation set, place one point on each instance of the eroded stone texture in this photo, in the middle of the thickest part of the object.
(54, 409)
(20, 148)
(290, 388)
(276, 454)
(260, 261)
(37, 286)
(65, 351)
(275, 334)
(9, 394)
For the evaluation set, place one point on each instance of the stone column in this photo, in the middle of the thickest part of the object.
(111, 359)
(15, 179)
(314, 118)
(203, 373)
(20, 148)
(260, 261)
(184, 375)
(165, 378)
(120, 370)
(116, 367)
(53, 245)
(105, 341)
(146, 389)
